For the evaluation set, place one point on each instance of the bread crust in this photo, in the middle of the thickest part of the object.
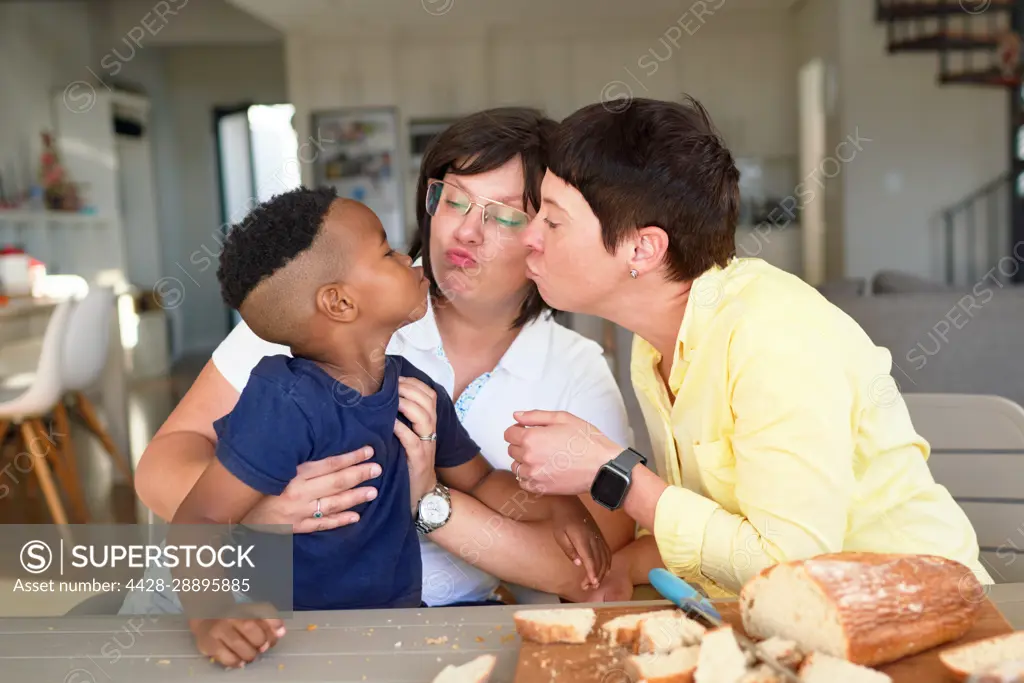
(948, 657)
(890, 606)
(547, 633)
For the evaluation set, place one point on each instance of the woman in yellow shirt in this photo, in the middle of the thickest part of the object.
(762, 399)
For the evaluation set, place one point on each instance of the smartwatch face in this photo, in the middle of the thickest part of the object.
(609, 486)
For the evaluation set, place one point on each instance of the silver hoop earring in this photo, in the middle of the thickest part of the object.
(633, 273)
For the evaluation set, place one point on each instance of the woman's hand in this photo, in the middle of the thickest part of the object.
(333, 481)
(418, 403)
(556, 452)
(579, 537)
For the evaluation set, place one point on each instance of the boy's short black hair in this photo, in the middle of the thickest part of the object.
(482, 142)
(268, 238)
(654, 163)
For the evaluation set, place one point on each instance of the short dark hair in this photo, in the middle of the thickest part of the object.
(654, 163)
(482, 142)
(268, 238)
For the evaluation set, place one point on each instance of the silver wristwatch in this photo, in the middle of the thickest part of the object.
(434, 509)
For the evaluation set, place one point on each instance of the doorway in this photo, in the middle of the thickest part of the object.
(257, 158)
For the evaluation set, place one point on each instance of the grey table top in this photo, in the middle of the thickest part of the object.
(383, 646)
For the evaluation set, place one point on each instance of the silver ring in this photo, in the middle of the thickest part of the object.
(318, 514)
(518, 465)
(430, 437)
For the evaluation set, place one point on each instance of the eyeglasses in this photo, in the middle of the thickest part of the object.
(447, 200)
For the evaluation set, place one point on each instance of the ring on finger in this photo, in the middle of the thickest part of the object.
(318, 514)
(518, 466)
(429, 437)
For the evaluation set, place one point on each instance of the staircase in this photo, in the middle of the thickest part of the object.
(978, 43)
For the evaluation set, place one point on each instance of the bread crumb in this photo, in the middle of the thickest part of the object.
(398, 644)
(311, 627)
(212, 660)
(437, 641)
(389, 621)
(280, 667)
(455, 647)
(163, 662)
(330, 662)
(49, 628)
(498, 627)
(509, 638)
(439, 659)
(479, 639)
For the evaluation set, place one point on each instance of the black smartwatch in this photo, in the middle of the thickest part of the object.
(614, 478)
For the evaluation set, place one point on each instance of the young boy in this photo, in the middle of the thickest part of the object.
(315, 273)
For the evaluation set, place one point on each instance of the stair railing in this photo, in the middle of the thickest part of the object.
(975, 232)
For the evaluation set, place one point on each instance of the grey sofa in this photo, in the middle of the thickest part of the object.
(944, 340)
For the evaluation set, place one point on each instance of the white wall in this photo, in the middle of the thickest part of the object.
(148, 23)
(739, 64)
(43, 48)
(197, 79)
(931, 145)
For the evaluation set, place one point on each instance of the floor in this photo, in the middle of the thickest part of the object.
(110, 499)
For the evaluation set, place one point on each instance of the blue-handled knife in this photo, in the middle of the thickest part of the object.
(674, 589)
(696, 606)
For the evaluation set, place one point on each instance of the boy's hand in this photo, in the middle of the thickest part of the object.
(581, 539)
(233, 642)
(418, 403)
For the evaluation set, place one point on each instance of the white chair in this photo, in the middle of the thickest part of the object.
(977, 453)
(85, 354)
(25, 413)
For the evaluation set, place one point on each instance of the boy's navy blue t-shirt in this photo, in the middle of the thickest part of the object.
(291, 412)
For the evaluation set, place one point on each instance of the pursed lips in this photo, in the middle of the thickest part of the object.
(460, 258)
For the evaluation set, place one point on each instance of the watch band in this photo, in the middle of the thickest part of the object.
(438, 490)
(627, 460)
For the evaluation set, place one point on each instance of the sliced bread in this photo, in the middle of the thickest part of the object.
(623, 630)
(569, 625)
(475, 671)
(721, 660)
(761, 673)
(667, 633)
(967, 659)
(822, 668)
(675, 667)
(1007, 672)
(783, 651)
(868, 608)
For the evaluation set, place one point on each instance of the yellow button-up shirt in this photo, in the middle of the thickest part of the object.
(785, 438)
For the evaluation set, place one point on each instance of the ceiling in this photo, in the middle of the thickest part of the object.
(355, 16)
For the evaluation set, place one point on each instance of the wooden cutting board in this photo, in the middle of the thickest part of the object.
(597, 662)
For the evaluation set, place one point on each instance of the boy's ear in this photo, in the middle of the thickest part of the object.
(335, 302)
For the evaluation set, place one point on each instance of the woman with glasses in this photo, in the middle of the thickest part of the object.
(487, 337)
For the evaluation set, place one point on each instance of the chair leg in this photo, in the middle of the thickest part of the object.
(70, 483)
(43, 474)
(88, 411)
(66, 449)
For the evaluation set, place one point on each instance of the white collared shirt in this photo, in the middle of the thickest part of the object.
(547, 367)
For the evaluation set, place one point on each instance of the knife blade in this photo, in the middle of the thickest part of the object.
(699, 608)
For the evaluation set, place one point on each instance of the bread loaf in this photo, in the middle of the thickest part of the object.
(623, 630)
(475, 671)
(675, 667)
(569, 625)
(868, 608)
(783, 651)
(982, 655)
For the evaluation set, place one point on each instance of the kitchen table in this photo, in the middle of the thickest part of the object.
(383, 646)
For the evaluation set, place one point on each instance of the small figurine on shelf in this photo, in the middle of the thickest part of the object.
(61, 194)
